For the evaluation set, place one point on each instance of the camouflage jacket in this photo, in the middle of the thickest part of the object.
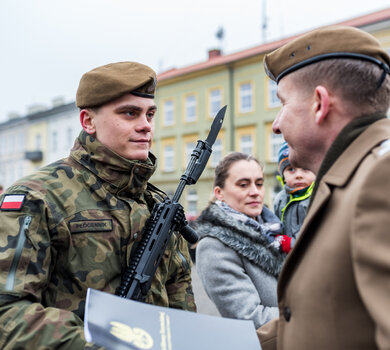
(72, 226)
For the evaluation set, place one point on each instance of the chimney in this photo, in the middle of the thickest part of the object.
(58, 101)
(213, 53)
(36, 108)
(12, 115)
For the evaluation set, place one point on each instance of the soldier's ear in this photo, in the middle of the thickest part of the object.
(87, 121)
(321, 104)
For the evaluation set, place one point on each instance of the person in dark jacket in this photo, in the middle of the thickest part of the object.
(292, 202)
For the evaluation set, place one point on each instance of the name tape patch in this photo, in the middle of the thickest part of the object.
(90, 226)
(12, 202)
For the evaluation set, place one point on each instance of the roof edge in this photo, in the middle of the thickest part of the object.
(361, 21)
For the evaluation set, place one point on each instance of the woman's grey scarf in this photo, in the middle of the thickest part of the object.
(267, 222)
(250, 239)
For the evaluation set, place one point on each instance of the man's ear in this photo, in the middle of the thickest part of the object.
(218, 193)
(87, 121)
(321, 105)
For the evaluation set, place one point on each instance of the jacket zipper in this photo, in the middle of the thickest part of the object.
(18, 254)
(184, 261)
(296, 199)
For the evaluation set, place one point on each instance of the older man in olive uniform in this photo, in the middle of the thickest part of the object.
(72, 224)
(334, 288)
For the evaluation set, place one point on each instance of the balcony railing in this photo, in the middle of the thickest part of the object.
(34, 156)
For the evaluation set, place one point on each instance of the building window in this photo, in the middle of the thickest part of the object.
(38, 142)
(272, 143)
(169, 157)
(188, 151)
(20, 170)
(275, 141)
(246, 144)
(216, 155)
(20, 142)
(192, 202)
(190, 108)
(273, 191)
(168, 117)
(13, 142)
(7, 143)
(70, 138)
(54, 143)
(4, 148)
(189, 143)
(273, 99)
(246, 94)
(215, 99)
(3, 141)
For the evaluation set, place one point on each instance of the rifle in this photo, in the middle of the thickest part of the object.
(166, 217)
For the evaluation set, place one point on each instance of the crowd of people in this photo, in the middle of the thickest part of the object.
(311, 272)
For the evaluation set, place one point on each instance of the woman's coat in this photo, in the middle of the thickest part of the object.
(237, 267)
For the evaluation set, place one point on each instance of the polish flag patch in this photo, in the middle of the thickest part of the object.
(12, 202)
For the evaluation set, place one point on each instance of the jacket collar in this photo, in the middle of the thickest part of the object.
(349, 160)
(346, 137)
(125, 177)
(345, 155)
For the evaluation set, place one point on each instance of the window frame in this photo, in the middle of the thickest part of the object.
(247, 94)
(193, 107)
(171, 110)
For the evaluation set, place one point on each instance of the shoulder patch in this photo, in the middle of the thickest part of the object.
(12, 202)
(384, 148)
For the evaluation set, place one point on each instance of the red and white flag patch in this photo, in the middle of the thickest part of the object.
(12, 202)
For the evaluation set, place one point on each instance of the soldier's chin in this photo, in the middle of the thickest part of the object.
(138, 155)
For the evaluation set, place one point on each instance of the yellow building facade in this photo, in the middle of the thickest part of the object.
(36, 144)
(188, 98)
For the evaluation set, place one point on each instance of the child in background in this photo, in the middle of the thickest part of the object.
(292, 202)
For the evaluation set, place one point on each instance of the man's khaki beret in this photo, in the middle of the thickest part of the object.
(109, 82)
(325, 43)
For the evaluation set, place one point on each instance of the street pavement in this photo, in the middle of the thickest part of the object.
(203, 303)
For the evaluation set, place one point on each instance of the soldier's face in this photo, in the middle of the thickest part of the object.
(296, 121)
(126, 126)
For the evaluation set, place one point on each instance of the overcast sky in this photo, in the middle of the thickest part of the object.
(46, 45)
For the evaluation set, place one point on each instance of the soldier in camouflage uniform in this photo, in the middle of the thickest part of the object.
(72, 224)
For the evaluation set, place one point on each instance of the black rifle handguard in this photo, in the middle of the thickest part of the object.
(166, 218)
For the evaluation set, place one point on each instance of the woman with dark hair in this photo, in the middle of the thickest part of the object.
(234, 259)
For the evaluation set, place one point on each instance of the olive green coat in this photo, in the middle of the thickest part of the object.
(75, 230)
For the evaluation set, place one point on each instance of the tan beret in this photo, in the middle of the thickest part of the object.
(325, 43)
(106, 83)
